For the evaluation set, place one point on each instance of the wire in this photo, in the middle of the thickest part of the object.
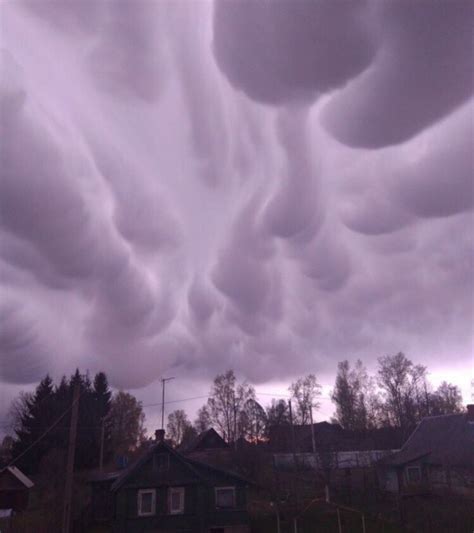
(176, 401)
(52, 426)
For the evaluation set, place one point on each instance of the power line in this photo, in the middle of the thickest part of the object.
(52, 426)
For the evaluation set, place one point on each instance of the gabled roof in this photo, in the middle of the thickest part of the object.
(445, 439)
(16, 472)
(202, 471)
(206, 440)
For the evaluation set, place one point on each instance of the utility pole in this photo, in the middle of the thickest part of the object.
(312, 431)
(102, 439)
(70, 459)
(163, 383)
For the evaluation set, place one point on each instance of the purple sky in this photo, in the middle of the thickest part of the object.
(268, 186)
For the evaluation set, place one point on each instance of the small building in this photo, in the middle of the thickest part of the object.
(167, 491)
(437, 458)
(14, 489)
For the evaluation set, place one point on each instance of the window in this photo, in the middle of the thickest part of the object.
(225, 497)
(413, 474)
(176, 500)
(146, 504)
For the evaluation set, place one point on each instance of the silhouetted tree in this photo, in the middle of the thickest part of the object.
(354, 397)
(226, 402)
(278, 414)
(178, 423)
(36, 415)
(446, 400)
(126, 421)
(253, 419)
(203, 420)
(189, 435)
(404, 388)
(304, 393)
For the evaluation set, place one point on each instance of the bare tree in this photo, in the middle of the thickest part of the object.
(203, 420)
(404, 389)
(447, 399)
(177, 426)
(19, 409)
(305, 392)
(226, 402)
(355, 397)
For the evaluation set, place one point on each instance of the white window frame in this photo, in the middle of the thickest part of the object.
(181, 492)
(217, 489)
(140, 493)
(418, 469)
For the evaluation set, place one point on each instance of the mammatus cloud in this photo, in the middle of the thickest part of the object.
(280, 52)
(274, 189)
(421, 73)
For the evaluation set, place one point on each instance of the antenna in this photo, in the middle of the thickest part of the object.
(163, 383)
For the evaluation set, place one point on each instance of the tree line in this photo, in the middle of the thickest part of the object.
(116, 419)
(397, 395)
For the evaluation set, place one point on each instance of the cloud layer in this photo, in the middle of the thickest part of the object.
(276, 188)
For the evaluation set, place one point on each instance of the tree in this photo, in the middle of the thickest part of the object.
(189, 436)
(19, 409)
(304, 393)
(354, 397)
(404, 388)
(126, 421)
(278, 414)
(446, 400)
(203, 420)
(178, 424)
(253, 421)
(36, 414)
(100, 403)
(226, 403)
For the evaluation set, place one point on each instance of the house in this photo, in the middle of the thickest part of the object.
(325, 454)
(437, 458)
(14, 489)
(206, 441)
(166, 491)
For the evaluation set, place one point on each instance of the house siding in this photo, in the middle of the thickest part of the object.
(200, 512)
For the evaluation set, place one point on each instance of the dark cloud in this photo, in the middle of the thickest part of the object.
(284, 51)
(422, 72)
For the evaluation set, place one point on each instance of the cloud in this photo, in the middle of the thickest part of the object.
(156, 217)
(278, 52)
(422, 72)
(129, 58)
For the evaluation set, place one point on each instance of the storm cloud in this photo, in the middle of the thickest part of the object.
(268, 186)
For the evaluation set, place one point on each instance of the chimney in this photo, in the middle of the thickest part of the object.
(159, 435)
(470, 413)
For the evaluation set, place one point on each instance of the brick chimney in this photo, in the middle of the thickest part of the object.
(159, 435)
(470, 413)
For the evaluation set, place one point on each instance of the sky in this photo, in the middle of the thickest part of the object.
(272, 187)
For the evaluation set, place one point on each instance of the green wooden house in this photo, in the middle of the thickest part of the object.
(165, 491)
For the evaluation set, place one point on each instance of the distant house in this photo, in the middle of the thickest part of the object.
(342, 459)
(167, 491)
(204, 442)
(14, 489)
(437, 457)
(327, 436)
